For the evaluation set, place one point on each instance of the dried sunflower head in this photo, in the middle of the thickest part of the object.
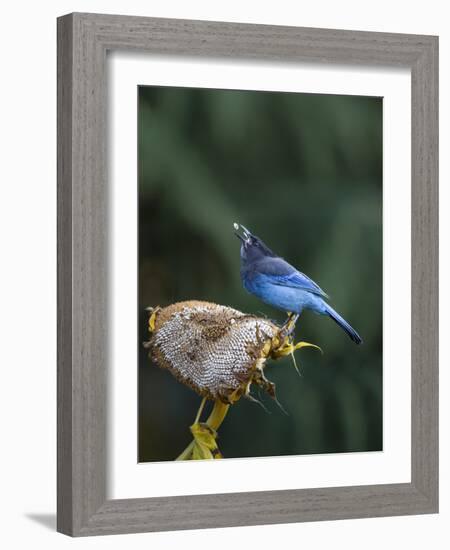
(216, 350)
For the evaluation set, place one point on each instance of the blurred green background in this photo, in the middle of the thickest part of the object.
(304, 173)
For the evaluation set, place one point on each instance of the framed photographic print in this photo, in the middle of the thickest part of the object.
(247, 274)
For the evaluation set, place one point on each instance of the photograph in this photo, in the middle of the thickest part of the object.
(260, 273)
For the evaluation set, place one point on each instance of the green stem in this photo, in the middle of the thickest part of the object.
(200, 410)
(217, 415)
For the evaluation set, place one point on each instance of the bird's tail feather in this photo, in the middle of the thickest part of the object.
(343, 324)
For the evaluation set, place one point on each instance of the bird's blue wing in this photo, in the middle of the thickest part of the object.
(281, 273)
(299, 280)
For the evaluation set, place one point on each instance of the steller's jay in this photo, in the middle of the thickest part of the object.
(280, 285)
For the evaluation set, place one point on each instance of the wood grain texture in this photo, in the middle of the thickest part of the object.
(64, 266)
(424, 279)
(83, 40)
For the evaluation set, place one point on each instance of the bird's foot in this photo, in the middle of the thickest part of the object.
(289, 326)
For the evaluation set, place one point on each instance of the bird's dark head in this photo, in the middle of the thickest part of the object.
(252, 247)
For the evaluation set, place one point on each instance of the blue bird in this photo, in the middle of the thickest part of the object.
(280, 285)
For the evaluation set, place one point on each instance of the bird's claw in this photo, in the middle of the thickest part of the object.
(289, 326)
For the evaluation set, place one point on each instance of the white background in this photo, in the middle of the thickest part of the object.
(28, 272)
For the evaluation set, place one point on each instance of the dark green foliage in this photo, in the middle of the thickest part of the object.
(303, 172)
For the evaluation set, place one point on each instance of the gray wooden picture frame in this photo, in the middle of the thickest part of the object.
(83, 41)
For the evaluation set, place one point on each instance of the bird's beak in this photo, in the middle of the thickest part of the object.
(242, 233)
